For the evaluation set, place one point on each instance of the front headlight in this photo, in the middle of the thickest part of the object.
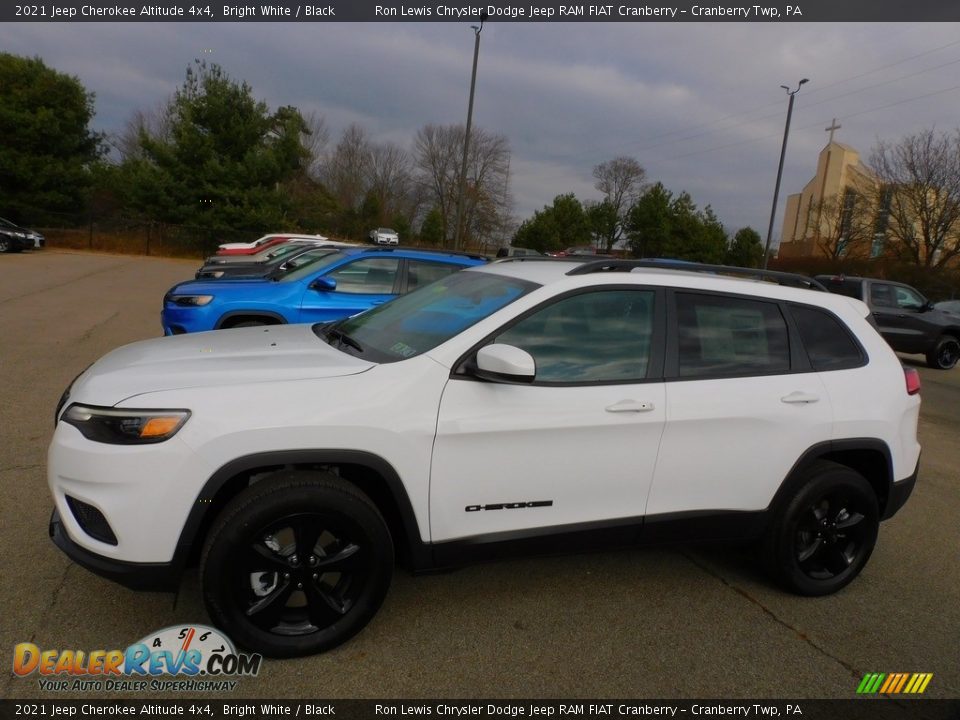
(190, 300)
(125, 426)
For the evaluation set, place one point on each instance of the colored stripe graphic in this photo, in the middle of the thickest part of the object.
(894, 683)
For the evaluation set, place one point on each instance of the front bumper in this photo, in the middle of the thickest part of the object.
(137, 576)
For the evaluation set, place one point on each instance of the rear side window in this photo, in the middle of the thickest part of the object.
(881, 295)
(720, 335)
(828, 343)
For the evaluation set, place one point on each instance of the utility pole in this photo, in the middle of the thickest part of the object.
(783, 152)
(477, 29)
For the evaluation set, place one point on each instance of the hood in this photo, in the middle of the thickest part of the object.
(204, 286)
(239, 356)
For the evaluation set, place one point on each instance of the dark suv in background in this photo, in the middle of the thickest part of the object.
(905, 318)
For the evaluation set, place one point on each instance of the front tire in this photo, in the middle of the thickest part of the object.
(822, 537)
(296, 564)
(945, 353)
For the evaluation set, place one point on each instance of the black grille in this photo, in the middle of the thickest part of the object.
(92, 521)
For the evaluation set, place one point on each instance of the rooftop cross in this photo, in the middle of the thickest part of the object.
(833, 126)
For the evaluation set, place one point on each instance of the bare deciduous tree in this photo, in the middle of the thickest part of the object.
(391, 182)
(438, 150)
(346, 171)
(153, 123)
(314, 141)
(922, 172)
(842, 226)
(621, 181)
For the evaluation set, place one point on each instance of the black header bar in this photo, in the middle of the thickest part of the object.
(637, 11)
(208, 708)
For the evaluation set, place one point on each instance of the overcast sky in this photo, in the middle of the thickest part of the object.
(698, 105)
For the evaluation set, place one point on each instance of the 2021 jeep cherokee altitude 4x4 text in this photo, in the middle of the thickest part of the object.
(527, 405)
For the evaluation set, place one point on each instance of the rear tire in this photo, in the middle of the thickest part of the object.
(945, 353)
(822, 537)
(296, 564)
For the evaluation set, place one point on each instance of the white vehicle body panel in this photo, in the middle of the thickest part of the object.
(722, 444)
(502, 443)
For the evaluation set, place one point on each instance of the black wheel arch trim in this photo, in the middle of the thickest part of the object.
(823, 450)
(427, 556)
(265, 314)
(420, 555)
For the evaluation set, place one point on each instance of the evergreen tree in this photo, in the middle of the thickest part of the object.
(224, 160)
(47, 149)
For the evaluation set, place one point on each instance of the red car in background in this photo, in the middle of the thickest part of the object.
(266, 241)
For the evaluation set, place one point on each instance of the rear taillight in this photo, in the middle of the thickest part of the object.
(913, 380)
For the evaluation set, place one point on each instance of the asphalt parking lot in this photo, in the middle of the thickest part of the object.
(679, 622)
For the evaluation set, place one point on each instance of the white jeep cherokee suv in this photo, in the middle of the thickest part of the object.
(528, 405)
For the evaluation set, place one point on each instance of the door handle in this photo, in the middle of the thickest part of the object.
(800, 398)
(630, 406)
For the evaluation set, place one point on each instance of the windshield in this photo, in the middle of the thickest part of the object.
(278, 251)
(303, 265)
(415, 323)
(7, 223)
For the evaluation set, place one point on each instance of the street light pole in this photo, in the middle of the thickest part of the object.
(783, 152)
(477, 29)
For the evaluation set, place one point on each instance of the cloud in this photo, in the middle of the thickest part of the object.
(698, 104)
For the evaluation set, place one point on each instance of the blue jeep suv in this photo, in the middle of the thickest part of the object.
(334, 283)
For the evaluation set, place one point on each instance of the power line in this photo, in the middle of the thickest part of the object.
(813, 125)
(806, 105)
(811, 91)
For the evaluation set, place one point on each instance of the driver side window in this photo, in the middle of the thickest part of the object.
(371, 276)
(907, 299)
(602, 336)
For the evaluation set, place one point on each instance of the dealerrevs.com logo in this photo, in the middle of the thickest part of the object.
(191, 658)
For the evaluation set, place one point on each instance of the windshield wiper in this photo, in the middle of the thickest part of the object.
(342, 338)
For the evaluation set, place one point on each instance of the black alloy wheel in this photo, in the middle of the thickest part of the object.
(945, 353)
(297, 564)
(829, 536)
(824, 535)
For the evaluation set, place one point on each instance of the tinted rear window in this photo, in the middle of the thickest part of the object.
(829, 344)
(730, 336)
(842, 286)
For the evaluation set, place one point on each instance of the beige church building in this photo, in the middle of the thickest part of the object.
(820, 221)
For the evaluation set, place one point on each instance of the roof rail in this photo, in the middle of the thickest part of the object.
(538, 258)
(438, 251)
(623, 265)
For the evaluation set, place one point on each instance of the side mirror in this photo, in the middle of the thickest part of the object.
(505, 363)
(323, 283)
(928, 306)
